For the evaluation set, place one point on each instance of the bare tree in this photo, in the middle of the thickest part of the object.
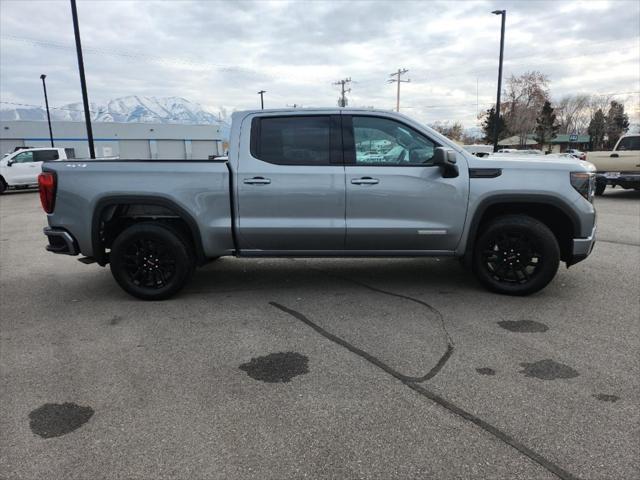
(573, 113)
(454, 130)
(525, 95)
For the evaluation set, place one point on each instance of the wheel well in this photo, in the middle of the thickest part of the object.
(553, 217)
(114, 218)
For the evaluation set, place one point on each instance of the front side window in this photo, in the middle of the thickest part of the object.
(629, 143)
(24, 157)
(295, 140)
(381, 141)
(44, 155)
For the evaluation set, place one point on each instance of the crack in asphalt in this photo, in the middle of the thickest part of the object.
(450, 343)
(629, 244)
(422, 390)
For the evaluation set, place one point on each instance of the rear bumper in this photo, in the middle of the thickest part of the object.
(624, 179)
(582, 247)
(61, 241)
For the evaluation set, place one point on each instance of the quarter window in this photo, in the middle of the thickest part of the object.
(381, 141)
(295, 140)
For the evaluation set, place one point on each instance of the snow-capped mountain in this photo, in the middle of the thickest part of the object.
(128, 109)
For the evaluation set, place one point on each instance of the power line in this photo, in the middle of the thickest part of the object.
(398, 80)
(342, 101)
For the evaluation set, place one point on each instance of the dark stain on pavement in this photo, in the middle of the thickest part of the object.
(523, 326)
(548, 370)
(115, 320)
(603, 397)
(277, 367)
(486, 371)
(54, 419)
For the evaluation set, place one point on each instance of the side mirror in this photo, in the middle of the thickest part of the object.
(446, 160)
(10, 162)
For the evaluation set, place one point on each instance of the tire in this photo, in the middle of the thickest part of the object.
(600, 186)
(516, 255)
(3, 186)
(151, 261)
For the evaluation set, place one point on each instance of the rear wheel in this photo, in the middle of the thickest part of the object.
(600, 187)
(151, 261)
(516, 255)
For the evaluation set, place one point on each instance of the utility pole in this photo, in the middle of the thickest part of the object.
(399, 73)
(261, 93)
(83, 81)
(503, 13)
(342, 101)
(46, 102)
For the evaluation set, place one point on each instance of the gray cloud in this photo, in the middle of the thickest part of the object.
(220, 53)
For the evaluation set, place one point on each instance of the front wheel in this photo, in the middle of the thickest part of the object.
(151, 261)
(3, 185)
(516, 255)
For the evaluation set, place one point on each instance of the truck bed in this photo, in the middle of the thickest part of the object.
(199, 189)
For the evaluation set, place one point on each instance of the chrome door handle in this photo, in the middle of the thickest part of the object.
(365, 181)
(257, 181)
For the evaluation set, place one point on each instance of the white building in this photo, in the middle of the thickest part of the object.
(124, 140)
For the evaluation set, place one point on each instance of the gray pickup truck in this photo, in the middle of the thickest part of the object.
(323, 183)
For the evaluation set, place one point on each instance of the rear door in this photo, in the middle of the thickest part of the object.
(290, 184)
(397, 200)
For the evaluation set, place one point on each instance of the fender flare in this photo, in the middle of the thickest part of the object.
(105, 202)
(514, 199)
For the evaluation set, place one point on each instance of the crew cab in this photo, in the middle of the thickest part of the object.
(619, 167)
(20, 169)
(323, 183)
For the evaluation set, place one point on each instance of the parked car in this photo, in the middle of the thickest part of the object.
(619, 167)
(294, 185)
(21, 168)
(576, 153)
(479, 150)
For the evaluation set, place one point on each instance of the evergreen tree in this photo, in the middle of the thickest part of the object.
(597, 130)
(546, 125)
(488, 126)
(617, 123)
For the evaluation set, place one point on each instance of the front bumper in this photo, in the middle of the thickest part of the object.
(582, 247)
(61, 241)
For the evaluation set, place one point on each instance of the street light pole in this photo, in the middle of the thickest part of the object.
(496, 123)
(83, 82)
(46, 102)
(261, 93)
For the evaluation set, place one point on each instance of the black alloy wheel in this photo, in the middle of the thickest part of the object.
(151, 261)
(516, 255)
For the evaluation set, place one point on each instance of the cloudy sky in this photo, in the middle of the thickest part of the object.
(219, 54)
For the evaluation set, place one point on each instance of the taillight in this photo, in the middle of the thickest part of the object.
(47, 186)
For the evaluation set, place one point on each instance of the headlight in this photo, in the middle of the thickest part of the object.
(584, 183)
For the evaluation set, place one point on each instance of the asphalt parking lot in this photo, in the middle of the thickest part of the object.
(273, 369)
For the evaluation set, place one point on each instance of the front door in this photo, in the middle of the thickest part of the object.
(396, 199)
(24, 169)
(290, 185)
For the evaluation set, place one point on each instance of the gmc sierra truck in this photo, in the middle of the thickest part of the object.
(323, 183)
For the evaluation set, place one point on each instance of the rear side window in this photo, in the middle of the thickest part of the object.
(629, 143)
(45, 155)
(295, 140)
